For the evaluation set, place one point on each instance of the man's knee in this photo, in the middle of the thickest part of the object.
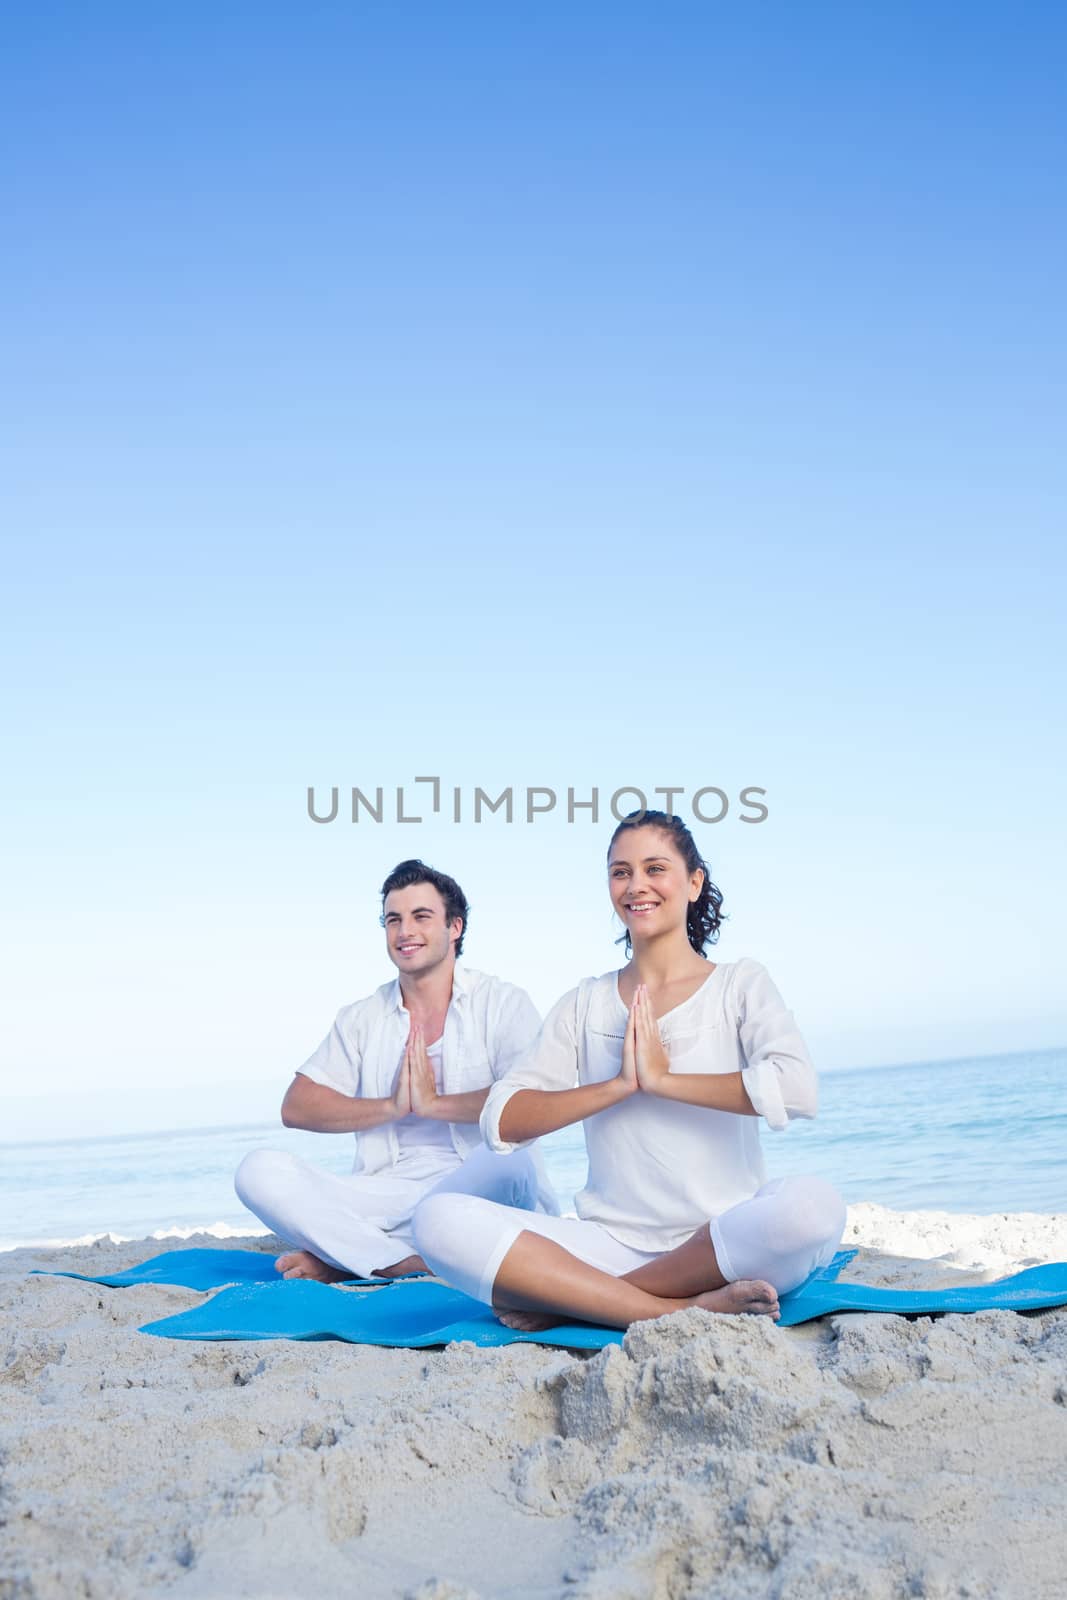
(510, 1180)
(260, 1175)
(521, 1181)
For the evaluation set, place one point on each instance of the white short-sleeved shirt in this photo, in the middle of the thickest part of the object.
(489, 1026)
(659, 1169)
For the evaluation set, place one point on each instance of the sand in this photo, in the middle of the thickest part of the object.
(865, 1456)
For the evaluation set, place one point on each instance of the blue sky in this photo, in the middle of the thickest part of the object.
(573, 395)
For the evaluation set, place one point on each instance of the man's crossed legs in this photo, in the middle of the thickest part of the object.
(359, 1225)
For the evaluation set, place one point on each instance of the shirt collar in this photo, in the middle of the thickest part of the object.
(461, 987)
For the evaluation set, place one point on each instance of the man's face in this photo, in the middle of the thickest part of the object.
(417, 935)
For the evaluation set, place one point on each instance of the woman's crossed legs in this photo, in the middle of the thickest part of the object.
(535, 1269)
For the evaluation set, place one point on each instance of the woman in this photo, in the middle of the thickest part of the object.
(669, 1064)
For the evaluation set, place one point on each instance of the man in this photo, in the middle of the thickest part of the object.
(407, 1071)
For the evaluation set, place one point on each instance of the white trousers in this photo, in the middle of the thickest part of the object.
(362, 1222)
(788, 1229)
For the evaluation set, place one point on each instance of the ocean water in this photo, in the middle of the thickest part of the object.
(981, 1135)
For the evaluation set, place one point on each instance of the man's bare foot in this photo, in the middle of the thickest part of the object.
(746, 1295)
(527, 1321)
(302, 1264)
(400, 1269)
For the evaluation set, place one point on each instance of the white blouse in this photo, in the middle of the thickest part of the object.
(658, 1168)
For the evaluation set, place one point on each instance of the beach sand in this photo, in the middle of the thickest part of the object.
(862, 1456)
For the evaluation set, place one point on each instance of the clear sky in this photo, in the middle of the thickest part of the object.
(564, 395)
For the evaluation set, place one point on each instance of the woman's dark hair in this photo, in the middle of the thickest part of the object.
(409, 873)
(705, 914)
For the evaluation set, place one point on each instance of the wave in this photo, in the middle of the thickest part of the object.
(214, 1230)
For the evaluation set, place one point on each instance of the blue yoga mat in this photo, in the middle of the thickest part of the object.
(201, 1269)
(1033, 1289)
(410, 1315)
(418, 1314)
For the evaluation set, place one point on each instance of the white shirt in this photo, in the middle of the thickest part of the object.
(659, 1169)
(489, 1025)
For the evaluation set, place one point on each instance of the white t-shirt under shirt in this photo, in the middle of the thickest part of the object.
(658, 1168)
(422, 1139)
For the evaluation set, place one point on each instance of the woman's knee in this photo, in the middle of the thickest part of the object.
(826, 1207)
(463, 1238)
(438, 1221)
(782, 1234)
(260, 1175)
(812, 1211)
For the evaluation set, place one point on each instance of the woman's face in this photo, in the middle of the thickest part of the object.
(651, 890)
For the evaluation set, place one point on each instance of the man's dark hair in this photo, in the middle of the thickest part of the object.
(409, 873)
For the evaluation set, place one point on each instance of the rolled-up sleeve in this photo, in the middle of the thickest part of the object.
(336, 1063)
(551, 1062)
(779, 1077)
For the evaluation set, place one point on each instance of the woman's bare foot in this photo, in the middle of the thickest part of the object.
(527, 1321)
(747, 1295)
(400, 1269)
(750, 1295)
(302, 1264)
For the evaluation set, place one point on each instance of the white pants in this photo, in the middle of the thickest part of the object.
(362, 1222)
(788, 1229)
